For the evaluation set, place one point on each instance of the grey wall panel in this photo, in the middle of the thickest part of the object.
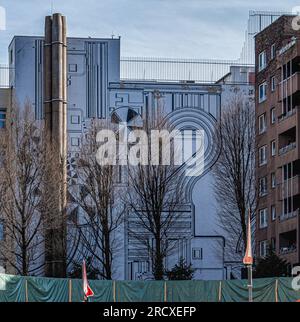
(97, 70)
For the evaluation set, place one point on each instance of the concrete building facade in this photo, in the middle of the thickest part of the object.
(94, 90)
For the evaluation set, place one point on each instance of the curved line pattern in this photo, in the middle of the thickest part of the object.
(184, 118)
(199, 119)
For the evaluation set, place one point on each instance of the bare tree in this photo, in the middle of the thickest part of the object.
(100, 212)
(234, 172)
(154, 197)
(26, 202)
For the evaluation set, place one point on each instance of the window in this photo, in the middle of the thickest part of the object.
(75, 141)
(73, 68)
(273, 148)
(75, 119)
(263, 246)
(2, 118)
(262, 155)
(263, 218)
(11, 56)
(273, 212)
(273, 180)
(273, 83)
(273, 51)
(262, 90)
(262, 123)
(273, 116)
(287, 171)
(262, 61)
(197, 253)
(263, 186)
(1, 231)
(273, 243)
(119, 174)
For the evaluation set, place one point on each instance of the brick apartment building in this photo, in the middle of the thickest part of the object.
(277, 55)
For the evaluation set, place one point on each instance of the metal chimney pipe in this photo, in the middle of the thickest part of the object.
(55, 105)
(47, 73)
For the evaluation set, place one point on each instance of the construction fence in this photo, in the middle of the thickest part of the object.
(38, 289)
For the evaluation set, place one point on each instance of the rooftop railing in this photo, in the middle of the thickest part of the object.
(4, 76)
(176, 69)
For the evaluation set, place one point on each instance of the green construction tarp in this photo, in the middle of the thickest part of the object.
(286, 293)
(103, 291)
(12, 288)
(39, 289)
(193, 291)
(47, 289)
(139, 291)
(237, 290)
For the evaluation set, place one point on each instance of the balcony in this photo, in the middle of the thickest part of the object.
(288, 114)
(289, 187)
(289, 215)
(288, 242)
(287, 148)
(289, 86)
(288, 250)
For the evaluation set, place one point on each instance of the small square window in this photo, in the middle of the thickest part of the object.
(263, 218)
(262, 155)
(11, 57)
(73, 68)
(272, 83)
(273, 180)
(262, 92)
(273, 51)
(273, 244)
(197, 253)
(263, 247)
(75, 119)
(273, 212)
(75, 141)
(263, 187)
(1, 230)
(262, 123)
(273, 148)
(262, 61)
(273, 116)
(2, 117)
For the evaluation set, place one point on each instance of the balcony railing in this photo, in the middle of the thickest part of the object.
(4, 76)
(289, 187)
(288, 114)
(289, 215)
(288, 249)
(287, 148)
(289, 86)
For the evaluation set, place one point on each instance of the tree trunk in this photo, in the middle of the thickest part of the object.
(158, 260)
(107, 259)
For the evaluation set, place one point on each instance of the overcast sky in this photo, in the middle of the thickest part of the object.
(160, 28)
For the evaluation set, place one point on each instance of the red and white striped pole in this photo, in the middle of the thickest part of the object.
(248, 259)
